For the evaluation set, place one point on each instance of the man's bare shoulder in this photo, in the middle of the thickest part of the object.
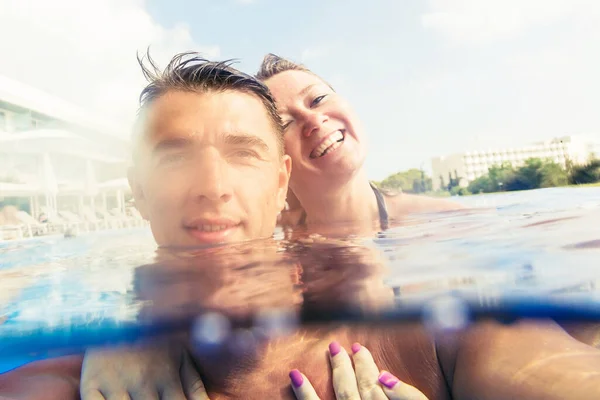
(404, 203)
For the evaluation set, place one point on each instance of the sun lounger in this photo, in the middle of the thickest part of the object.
(8, 232)
(112, 221)
(74, 221)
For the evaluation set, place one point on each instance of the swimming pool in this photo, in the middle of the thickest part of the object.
(535, 242)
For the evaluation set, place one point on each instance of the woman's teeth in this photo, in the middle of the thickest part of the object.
(334, 141)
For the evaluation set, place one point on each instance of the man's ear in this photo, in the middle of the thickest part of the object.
(133, 177)
(285, 169)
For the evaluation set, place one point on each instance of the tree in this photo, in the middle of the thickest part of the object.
(535, 173)
(553, 175)
(418, 186)
(499, 176)
(459, 191)
(411, 181)
(453, 182)
(588, 173)
(483, 184)
(528, 176)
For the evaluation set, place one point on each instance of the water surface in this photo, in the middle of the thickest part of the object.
(543, 242)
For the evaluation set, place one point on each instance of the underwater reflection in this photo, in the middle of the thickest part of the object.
(268, 306)
(264, 307)
(245, 281)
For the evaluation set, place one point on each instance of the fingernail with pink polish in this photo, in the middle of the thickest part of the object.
(388, 380)
(334, 348)
(296, 378)
(356, 348)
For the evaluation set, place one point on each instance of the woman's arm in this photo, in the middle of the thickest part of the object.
(529, 360)
(402, 204)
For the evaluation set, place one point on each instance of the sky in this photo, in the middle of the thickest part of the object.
(426, 77)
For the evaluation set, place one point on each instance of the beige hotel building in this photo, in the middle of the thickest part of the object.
(472, 164)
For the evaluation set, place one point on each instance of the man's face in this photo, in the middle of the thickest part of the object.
(209, 169)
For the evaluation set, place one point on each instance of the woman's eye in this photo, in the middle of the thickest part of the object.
(317, 100)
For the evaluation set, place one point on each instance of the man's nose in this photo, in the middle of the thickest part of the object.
(313, 122)
(212, 181)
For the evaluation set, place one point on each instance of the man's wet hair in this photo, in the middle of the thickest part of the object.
(191, 72)
(273, 64)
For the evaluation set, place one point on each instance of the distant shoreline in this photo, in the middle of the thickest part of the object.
(447, 194)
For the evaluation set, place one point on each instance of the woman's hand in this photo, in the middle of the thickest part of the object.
(363, 382)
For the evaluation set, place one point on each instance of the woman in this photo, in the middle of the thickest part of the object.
(328, 147)
(329, 188)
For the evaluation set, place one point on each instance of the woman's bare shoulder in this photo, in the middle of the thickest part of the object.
(405, 203)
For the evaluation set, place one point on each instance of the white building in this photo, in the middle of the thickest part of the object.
(473, 164)
(55, 156)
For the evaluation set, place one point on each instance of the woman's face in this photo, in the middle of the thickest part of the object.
(322, 134)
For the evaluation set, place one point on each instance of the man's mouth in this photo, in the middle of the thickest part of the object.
(211, 228)
(215, 231)
(331, 143)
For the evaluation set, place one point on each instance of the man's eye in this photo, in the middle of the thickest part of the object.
(171, 158)
(286, 125)
(245, 154)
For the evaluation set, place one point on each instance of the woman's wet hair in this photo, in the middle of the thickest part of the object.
(273, 64)
(190, 72)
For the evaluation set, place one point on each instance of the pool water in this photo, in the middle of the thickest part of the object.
(52, 281)
(544, 242)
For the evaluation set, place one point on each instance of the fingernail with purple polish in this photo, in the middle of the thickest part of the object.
(334, 348)
(296, 377)
(356, 348)
(388, 380)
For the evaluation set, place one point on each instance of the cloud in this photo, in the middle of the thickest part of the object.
(84, 51)
(481, 22)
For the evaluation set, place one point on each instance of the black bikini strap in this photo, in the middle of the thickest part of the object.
(383, 214)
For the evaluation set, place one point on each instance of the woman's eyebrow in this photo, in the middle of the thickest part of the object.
(306, 89)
